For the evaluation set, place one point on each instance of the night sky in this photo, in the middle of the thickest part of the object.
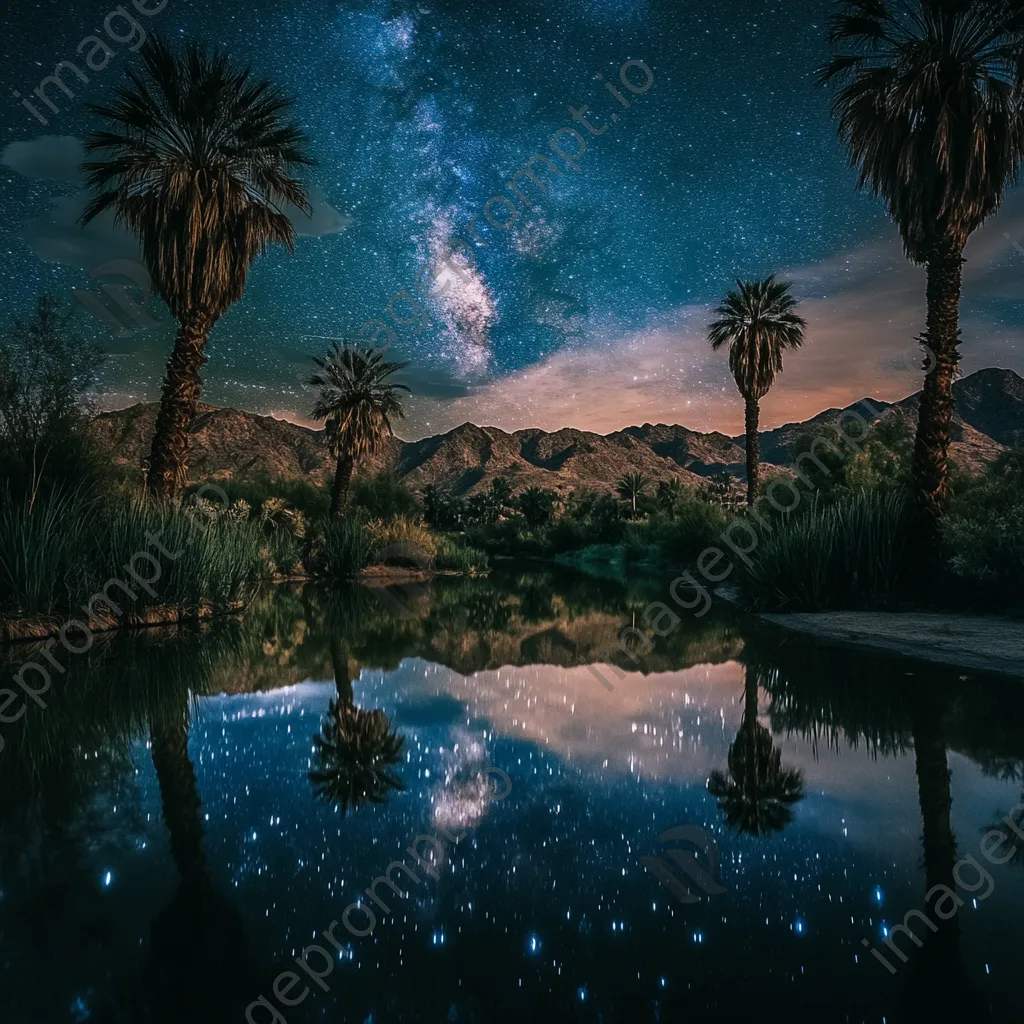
(590, 310)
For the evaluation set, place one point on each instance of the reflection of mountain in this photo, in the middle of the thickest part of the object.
(757, 793)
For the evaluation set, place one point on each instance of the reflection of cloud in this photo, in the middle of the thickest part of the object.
(56, 236)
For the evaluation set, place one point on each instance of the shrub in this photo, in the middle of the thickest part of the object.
(402, 541)
(59, 551)
(984, 532)
(338, 548)
(453, 556)
(843, 555)
(382, 497)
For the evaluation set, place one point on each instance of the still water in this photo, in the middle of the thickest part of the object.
(192, 810)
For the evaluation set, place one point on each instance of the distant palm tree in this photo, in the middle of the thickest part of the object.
(932, 113)
(631, 487)
(536, 504)
(197, 161)
(358, 402)
(668, 493)
(355, 749)
(758, 323)
(757, 793)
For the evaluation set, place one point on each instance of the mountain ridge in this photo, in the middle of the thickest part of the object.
(228, 442)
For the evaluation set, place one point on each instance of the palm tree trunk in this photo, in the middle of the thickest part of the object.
(753, 415)
(342, 478)
(942, 336)
(168, 455)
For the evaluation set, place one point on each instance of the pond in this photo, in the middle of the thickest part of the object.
(725, 820)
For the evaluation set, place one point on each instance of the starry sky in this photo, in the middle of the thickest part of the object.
(590, 309)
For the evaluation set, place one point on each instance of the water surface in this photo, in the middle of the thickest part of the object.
(172, 837)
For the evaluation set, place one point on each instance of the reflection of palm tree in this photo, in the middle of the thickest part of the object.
(757, 793)
(937, 987)
(355, 749)
(178, 792)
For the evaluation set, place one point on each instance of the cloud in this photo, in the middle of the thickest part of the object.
(51, 156)
(865, 310)
(56, 236)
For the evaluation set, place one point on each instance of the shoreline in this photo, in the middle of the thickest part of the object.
(984, 643)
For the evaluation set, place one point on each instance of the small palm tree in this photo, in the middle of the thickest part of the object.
(931, 109)
(631, 487)
(358, 402)
(668, 493)
(758, 323)
(757, 794)
(197, 161)
(536, 504)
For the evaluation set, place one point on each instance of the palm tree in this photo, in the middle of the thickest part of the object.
(536, 504)
(358, 402)
(759, 323)
(668, 493)
(355, 749)
(631, 487)
(757, 793)
(930, 109)
(197, 161)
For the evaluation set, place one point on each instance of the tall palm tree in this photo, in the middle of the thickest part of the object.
(631, 487)
(758, 322)
(930, 108)
(197, 160)
(358, 402)
(757, 793)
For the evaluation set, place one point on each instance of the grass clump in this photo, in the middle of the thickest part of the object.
(847, 554)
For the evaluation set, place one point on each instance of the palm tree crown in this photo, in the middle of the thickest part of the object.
(930, 109)
(197, 162)
(758, 322)
(356, 398)
(631, 487)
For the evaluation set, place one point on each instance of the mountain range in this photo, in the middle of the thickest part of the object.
(229, 442)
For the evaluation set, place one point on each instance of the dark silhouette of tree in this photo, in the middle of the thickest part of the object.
(197, 161)
(757, 793)
(355, 749)
(758, 323)
(358, 402)
(929, 107)
(631, 487)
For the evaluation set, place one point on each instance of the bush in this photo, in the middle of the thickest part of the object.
(59, 551)
(382, 497)
(308, 498)
(984, 532)
(403, 541)
(338, 548)
(453, 556)
(843, 555)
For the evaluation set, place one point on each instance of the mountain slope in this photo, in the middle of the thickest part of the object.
(226, 442)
